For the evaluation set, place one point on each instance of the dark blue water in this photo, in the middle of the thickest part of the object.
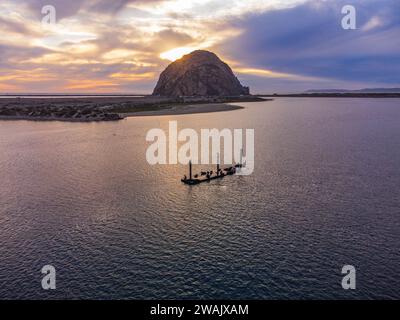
(325, 193)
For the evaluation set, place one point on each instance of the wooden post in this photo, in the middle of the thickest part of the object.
(218, 164)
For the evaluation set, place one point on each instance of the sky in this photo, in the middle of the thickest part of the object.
(121, 46)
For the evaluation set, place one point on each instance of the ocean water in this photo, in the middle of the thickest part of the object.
(324, 194)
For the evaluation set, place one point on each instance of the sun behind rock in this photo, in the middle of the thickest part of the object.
(200, 73)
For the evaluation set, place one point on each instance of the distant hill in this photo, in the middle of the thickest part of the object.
(200, 73)
(365, 90)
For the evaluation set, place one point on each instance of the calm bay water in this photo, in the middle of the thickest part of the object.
(325, 193)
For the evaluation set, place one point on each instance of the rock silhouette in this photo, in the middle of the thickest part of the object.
(200, 73)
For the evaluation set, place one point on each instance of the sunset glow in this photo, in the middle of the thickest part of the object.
(124, 45)
(176, 53)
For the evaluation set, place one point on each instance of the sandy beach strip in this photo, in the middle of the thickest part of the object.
(164, 111)
(184, 109)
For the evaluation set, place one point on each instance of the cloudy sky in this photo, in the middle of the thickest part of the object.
(121, 46)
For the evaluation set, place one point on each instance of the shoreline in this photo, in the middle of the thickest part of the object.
(333, 95)
(183, 110)
(167, 111)
(48, 119)
(113, 109)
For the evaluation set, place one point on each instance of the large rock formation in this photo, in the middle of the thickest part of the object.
(200, 73)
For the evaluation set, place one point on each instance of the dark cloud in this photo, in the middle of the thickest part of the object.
(107, 6)
(63, 8)
(10, 53)
(7, 25)
(69, 8)
(309, 40)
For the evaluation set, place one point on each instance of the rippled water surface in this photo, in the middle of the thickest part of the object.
(325, 193)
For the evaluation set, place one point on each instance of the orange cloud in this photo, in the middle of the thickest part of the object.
(8, 87)
(133, 76)
(89, 84)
